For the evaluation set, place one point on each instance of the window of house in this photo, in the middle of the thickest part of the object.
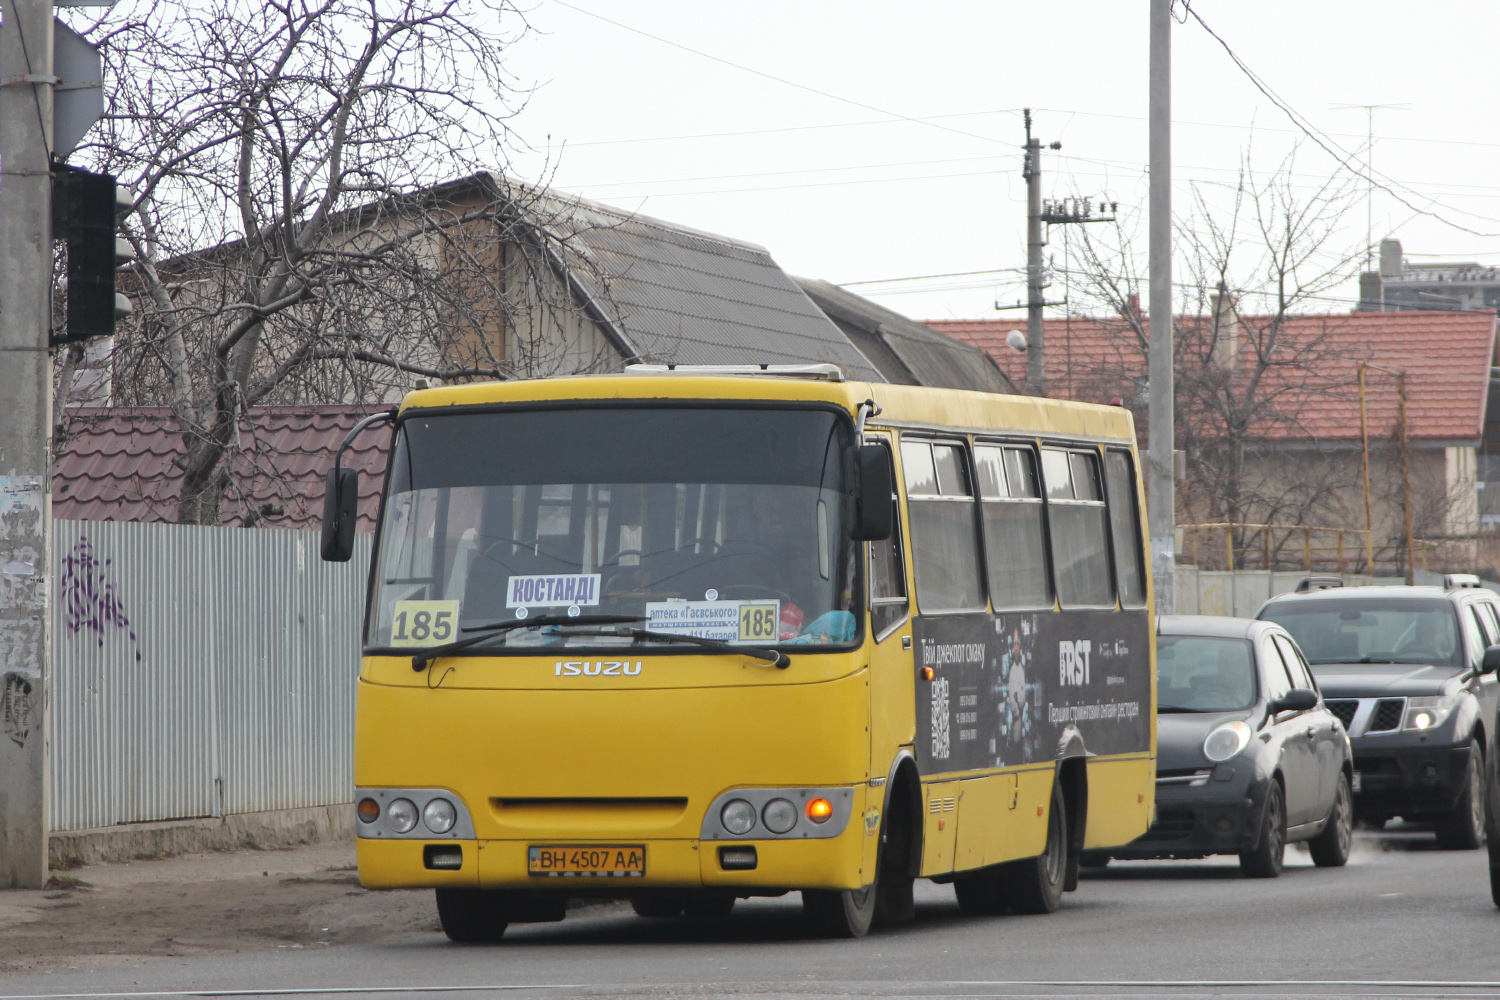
(1015, 548)
(944, 541)
(1078, 533)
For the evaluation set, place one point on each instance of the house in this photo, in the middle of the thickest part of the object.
(1269, 418)
(1442, 285)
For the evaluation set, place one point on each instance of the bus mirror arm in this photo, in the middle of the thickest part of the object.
(873, 508)
(341, 497)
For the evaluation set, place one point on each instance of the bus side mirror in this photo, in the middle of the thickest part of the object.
(340, 509)
(873, 511)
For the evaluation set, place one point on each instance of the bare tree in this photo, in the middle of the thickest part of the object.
(293, 242)
(1255, 342)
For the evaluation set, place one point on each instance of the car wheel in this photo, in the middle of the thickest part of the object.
(1462, 827)
(1330, 849)
(1265, 860)
(839, 913)
(1035, 885)
(471, 916)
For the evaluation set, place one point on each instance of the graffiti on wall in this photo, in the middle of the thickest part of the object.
(17, 709)
(90, 600)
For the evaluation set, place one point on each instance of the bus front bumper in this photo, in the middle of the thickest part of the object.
(779, 865)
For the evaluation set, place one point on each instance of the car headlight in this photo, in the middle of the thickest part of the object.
(439, 815)
(1429, 713)
(1226, 741)
(401, 815)
(738, 817)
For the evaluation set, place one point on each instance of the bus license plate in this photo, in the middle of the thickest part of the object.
(584, 861)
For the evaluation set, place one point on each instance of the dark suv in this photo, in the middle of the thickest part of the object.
(1410, 671)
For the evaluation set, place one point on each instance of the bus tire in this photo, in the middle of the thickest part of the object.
(1035, 885)
(839, 913)
(471, 916)
(658, 907)
(982, 893)
(710, 906)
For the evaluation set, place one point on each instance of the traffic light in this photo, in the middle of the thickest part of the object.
(84, 213)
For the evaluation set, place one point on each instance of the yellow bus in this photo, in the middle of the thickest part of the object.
(691, 635)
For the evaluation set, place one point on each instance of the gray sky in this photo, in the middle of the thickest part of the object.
(844, 185)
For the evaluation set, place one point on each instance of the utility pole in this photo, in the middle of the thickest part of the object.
(1036, 354)
(26, 95)
(1162, 486)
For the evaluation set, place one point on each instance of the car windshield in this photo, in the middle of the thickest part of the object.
(1204, 673)
(1371, 630)
(723, 523)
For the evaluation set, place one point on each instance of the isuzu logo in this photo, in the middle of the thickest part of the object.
(596, 668)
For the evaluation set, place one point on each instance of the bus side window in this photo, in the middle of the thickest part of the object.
(888, 604)
(1014, 539)
(1076, 515)
(944, 540)
(1125, 527)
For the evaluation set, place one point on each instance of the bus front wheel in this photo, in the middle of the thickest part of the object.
(471, 916)
(839, 913)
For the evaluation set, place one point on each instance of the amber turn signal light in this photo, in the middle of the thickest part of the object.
(927, 673)
(369, 810)
(819, 810)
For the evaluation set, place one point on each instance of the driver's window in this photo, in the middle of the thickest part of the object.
(1473, 633)
(888, 604)
(1301, 676)
(1277, 681)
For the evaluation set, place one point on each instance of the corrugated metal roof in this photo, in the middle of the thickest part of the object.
(1447, 357)
(678, 295)
(906, 351)
(118, 464)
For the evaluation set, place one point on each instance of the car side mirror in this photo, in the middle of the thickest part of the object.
(1295, 700)
(873, 509)
(1491, 661)
(340, 510)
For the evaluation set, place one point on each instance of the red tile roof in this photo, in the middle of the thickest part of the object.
(1447, 357)
(118, 465)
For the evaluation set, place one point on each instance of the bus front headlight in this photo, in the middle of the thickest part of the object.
(779, 815)
(738, 817)
(439, 815)
(401, 815)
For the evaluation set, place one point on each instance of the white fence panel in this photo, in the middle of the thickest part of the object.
(198, 671)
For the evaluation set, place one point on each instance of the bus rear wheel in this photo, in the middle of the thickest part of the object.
(1035, 885)
(471, 916)
(839, 913)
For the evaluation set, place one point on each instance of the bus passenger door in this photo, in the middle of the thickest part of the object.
(892, 675)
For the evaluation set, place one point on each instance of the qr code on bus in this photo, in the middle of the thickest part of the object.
(940, 738)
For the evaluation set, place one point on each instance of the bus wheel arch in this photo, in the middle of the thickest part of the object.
(899, 858)
(1073, 778)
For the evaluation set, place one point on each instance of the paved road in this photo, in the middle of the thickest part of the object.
(1401, 911)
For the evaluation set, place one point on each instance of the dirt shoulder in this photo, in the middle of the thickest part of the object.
(110, 914)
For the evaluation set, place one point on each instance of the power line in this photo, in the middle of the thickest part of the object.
(1337, 152)
(777, 79)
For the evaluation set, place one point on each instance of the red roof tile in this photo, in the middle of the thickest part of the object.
(118, 465)
(1447, 357)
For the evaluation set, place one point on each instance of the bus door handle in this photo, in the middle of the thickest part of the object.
(906, 642)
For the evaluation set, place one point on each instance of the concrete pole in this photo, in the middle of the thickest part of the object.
(25, 436)
(1036, 353)
(1162, 488)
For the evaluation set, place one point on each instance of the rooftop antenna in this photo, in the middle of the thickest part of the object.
(1370, 110)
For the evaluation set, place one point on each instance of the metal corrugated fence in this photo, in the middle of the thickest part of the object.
(199, 671)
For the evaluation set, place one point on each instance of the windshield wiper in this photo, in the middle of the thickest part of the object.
(420, 660)
(775, 657)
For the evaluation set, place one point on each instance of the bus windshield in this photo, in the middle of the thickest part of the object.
(727, 523)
